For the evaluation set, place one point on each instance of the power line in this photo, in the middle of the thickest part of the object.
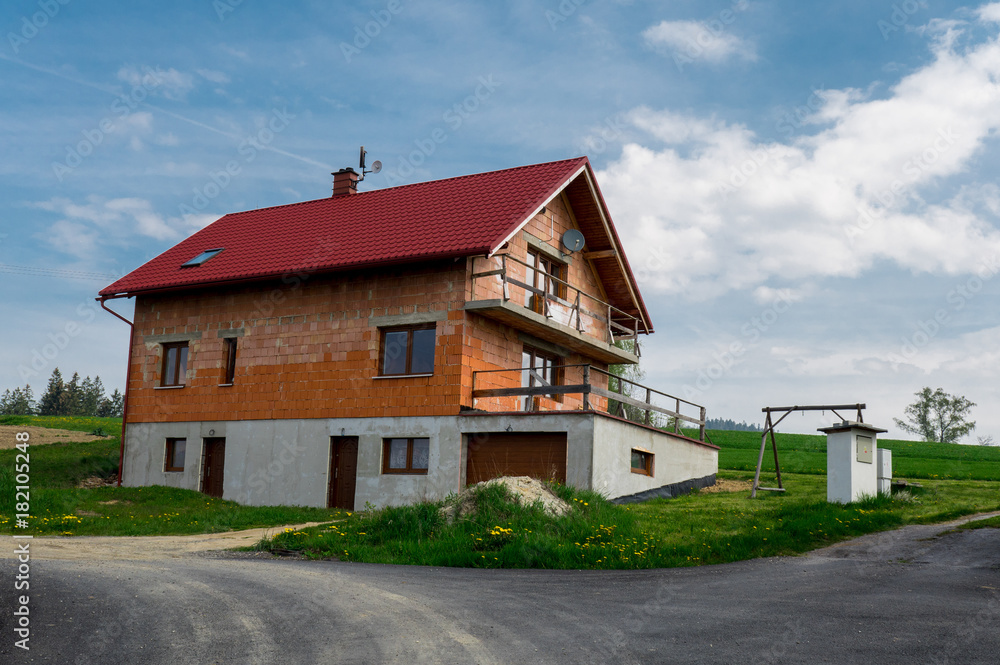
(55, 272)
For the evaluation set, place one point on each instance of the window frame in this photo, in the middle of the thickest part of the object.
(649, 462)
(540, 265)
(180, 378)
(171, 448)
(408, 361)
(409, 470)
(555, 369)
(229, 346)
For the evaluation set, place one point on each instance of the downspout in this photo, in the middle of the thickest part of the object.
(128, 371)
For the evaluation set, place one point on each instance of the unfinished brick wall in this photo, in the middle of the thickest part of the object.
(306, 351)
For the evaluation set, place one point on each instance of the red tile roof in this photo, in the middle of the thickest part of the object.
(462, 216)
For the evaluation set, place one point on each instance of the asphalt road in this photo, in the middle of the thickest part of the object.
(904, 597)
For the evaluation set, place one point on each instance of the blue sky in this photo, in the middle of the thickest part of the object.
(807, 191)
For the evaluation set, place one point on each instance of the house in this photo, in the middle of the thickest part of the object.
(395, 345)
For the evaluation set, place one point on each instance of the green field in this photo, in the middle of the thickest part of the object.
(806, 453)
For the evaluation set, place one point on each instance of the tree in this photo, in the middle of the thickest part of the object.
(74, 397)
(17, 402)
(938, 416)
(112, 407)
(618, 382)
(53, 402)
(92, 395)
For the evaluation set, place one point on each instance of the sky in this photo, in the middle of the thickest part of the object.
(807, 192)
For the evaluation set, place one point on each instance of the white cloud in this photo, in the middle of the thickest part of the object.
(732, 211)
(168, 83)
(697, 40)
(990, 12)
(213, 75)
(84, 228)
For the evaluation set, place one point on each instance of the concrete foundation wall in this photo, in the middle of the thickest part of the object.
(272, 462)
(675, 459)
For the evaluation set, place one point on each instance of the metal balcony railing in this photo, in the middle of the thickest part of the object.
(575, 305)
(622, 398)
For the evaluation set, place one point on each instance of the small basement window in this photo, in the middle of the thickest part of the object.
(405, 455)
(201, 258)
(175, 454)
(642, 462)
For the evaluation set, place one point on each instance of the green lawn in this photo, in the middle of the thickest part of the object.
(806, 453)
(696, 529)
(86, 424)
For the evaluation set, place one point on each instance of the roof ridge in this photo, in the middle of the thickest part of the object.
(413, 184)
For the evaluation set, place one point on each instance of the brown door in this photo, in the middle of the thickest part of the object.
(212, 470)
(539, 455)
(343, 472)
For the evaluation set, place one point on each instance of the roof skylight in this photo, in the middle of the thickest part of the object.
(201, 258)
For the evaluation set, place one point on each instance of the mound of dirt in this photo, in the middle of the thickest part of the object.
(525, 490)
(726, 485)
(96, 481)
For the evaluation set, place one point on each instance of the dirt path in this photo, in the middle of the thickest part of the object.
(40, 436)
(142, 548)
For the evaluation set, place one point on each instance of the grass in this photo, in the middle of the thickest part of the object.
(696, 529)
(989, 523)
(87, 424)
(806, 453)
(60, 507)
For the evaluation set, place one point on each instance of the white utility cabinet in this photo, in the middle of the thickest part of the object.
(851, 469)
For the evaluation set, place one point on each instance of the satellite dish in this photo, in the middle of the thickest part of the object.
(376, 166)
(573, 240)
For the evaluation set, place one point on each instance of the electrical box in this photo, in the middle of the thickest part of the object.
(851, 450)
(864, 444)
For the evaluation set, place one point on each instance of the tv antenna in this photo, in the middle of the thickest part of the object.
(376, 165)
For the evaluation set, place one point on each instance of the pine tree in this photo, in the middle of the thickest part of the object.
(117, 404)
(93, 396)
(74, 397)
(53, 402)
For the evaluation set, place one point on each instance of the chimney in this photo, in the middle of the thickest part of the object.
(345, 181)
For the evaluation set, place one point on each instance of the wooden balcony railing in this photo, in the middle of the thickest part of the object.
(620, 325)
(622, 397)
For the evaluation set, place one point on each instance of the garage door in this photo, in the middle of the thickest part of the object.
(539, 455)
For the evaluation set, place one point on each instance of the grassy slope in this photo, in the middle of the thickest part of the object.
(691, 530)
(58, 506)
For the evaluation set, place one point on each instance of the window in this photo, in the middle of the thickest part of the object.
(537, 274)
(229, 359)
(407, 351)
(174, 364)
(642, 462)
(540, 369)
(175, 454)
(405, 455)
(201, 258)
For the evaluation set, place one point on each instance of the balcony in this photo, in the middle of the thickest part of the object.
(583, 388)
(555, 311)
